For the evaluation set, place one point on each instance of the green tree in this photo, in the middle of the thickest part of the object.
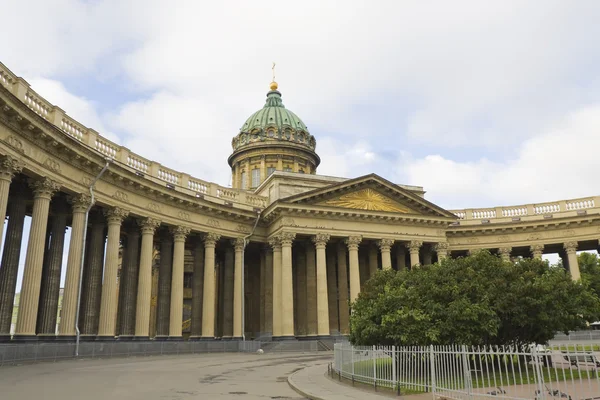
(589, 266)
(478, 300)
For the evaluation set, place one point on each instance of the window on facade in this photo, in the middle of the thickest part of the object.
(270, 170)
(255, 177)
(244, 180)
(287, 169)
(301, 171)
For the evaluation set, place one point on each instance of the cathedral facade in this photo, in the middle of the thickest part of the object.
(158, 254)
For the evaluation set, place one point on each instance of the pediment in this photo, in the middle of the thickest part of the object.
(366, 199)
(369, 193)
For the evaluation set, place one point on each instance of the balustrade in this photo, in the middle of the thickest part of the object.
(72, 128)
(37, 104)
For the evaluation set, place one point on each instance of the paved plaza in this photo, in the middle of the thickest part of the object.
(201, 376)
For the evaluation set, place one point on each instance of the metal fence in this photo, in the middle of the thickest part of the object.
(568, 371)
(577, 336)
(32, 352)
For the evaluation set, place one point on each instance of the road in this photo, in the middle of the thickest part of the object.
(201, 376)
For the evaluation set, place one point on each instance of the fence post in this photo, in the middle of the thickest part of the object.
(432, 362)
(352, 362)
(394, 367)
(374, 368)
(467, 372)
(539, 377)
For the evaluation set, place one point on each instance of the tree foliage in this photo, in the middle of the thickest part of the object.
(589, 266)
(477, 300)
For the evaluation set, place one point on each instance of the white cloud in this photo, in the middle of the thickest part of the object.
(558, 164)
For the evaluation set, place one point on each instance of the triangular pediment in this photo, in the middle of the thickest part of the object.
(369, 193)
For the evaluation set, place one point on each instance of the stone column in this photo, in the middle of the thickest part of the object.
(10, 259)
(505, 253)
(400, 256)
(197, 290)
(163, 304)
(311, 291)
(385, 246)
(208, 300)
(275, 242)
(352, 242)
(269, 290)
(342, 272)
(279, 162)
(79, 204)
(89, 310)
(571, 250)
(108, 304)
(441, 249)
(144, 288)
(373, 260)
(9, 166)
(320, 241)
(238, 296)
(537, 250)
(413, 246)
(263, 169)
(332, 292)
(49, 293)
(227, 314)
(43, 190)
(287, 286)
(128, 284)
(263, 269)
(176, 314)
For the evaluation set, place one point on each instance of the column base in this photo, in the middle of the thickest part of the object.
(175, 339)
(5, 338)
(105, 338)
(140, 338)
(25, 338)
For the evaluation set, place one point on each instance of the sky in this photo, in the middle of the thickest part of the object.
(482, 103)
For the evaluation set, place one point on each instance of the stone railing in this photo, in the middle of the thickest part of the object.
(544, 210)
(140, 165)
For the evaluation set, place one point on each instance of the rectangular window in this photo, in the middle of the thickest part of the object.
(244, 180)
(270, 170)
(255, 177)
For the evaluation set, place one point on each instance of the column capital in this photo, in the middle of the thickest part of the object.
(352, 242)
(505, 251)
(9, 167)
(321, 239)
(287, 238)
(385, 244)
(570, 247)
(115, 215)
(180, 233)
(211, 238)
(238, 244)
(44, 188)
(414, 245)
(538, 249)
(441, 247)
(148, 225)
(80, 202)
(275, 242)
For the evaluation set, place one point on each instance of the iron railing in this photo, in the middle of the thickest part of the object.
(568, 371)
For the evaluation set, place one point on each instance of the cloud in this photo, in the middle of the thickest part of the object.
(558, 164)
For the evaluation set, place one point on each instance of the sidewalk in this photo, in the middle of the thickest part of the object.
(313, 383)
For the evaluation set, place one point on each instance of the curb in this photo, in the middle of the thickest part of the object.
(295, 387)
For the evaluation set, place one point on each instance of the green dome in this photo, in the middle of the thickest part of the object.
(274, 123)
(273, 114)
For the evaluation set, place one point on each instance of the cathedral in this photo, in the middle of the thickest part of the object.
(157, 254)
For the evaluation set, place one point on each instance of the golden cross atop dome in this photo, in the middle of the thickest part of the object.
(273, 84)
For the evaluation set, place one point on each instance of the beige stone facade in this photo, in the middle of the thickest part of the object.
(281, 256)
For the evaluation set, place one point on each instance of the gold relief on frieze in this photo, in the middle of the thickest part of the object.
(366, 199)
